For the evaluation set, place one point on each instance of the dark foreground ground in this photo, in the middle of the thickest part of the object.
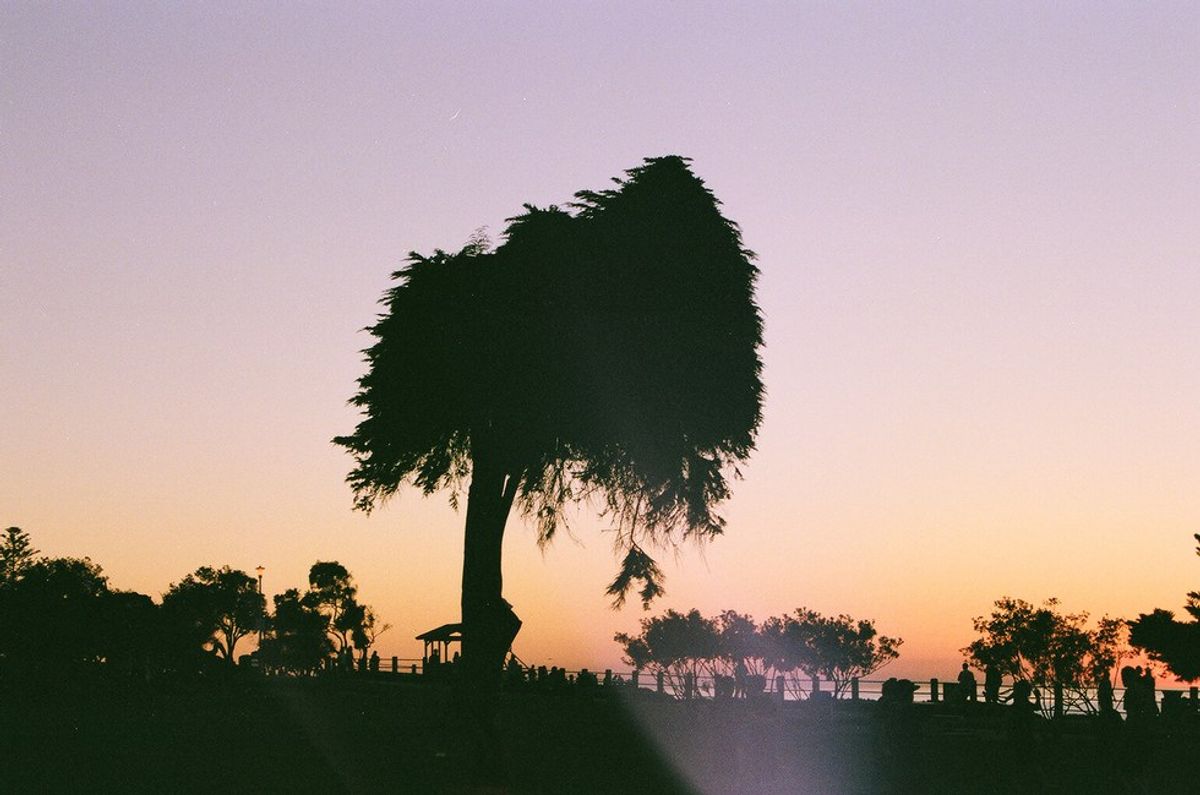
(363, 735)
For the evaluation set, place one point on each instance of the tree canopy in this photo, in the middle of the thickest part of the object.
(836, 648)
(215, 607)
(55, 613)
(1045, 646)
(16, 556)
(297, 640)
(607, 350)
(1170, 641)
(333, 594)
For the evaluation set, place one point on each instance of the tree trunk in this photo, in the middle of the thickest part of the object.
(487, 619)
(484, 612)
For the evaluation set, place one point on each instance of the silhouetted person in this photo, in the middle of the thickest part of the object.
(739, 679)
(513, 673)
(1137, 740)
(897, 691)
(1104, 693)
(991, 684)
(374, 662)
(1149, 694)
(1139, 694)
(966, 685)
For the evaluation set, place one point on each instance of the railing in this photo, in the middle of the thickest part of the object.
(790, 688)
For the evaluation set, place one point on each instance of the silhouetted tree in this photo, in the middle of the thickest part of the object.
(216, 608)
(680, 645)
(739, 640)
(612, 352)
(1043, 646)
(297, 641)
(54, 615)
(367, 629)
(133, 633)
(835, 648)
(332, 592)
(1165, 639)
(16, 556)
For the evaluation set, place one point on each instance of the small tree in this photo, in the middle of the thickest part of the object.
(16, 556)
(215, 608)
(677, 644)
(332, 592)
(367, 630)
(837, 649)
(1044, 646)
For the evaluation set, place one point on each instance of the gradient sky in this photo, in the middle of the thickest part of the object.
(978, 227)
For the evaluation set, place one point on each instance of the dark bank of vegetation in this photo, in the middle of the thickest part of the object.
(61, 615)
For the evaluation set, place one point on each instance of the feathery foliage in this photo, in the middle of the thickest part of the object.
(606, 351)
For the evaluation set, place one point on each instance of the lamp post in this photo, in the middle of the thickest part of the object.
(261, 622)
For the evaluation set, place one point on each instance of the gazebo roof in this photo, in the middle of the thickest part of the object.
(446, 632)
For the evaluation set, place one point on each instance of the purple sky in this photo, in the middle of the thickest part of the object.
(978, 227)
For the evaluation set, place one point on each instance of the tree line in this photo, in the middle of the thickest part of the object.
(737, 654)
(61, 613)
(1039, 645)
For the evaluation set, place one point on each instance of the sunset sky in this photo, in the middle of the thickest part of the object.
(978, 227)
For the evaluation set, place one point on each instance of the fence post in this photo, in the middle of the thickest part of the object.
(633, 678)
(658, 683)
(414, 669)
(854, 689)
(395, 665)
(779, 688)
(1058, 699)
(689, 684)
(933, 690)
(608, 677)
(816, 686)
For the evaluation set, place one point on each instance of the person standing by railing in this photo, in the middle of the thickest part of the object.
(991, 684)
(967, 685)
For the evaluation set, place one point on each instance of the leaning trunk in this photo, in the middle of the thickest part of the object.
(486, 636)
(489, 624)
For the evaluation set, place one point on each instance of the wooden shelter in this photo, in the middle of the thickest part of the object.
(439, 640)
